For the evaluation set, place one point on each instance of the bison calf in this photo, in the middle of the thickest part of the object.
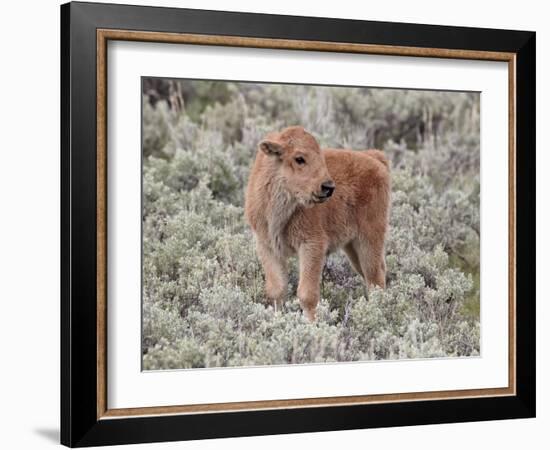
(310, 202)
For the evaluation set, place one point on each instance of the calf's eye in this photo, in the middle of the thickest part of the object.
(300, 160)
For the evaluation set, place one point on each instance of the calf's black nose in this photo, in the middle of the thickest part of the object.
(328, 188)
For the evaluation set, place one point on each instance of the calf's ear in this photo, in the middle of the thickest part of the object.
(271, 148)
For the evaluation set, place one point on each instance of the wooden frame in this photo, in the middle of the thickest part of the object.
(86, 418)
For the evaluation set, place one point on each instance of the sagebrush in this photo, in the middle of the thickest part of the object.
(202, 294)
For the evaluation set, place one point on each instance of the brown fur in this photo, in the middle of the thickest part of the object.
(288, 214)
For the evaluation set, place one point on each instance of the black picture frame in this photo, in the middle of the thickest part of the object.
(80, 425)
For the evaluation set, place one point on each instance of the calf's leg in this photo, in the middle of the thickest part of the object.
(312, 260)
(276, 275)
(353, 258)
(370, 251)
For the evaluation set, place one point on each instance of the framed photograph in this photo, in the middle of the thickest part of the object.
(276, 224)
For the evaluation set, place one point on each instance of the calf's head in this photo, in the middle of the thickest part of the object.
(299, 164)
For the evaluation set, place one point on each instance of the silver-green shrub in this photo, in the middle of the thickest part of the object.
(202, 295)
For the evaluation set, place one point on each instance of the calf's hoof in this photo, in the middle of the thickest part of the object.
(278, 305)
(310, 314)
